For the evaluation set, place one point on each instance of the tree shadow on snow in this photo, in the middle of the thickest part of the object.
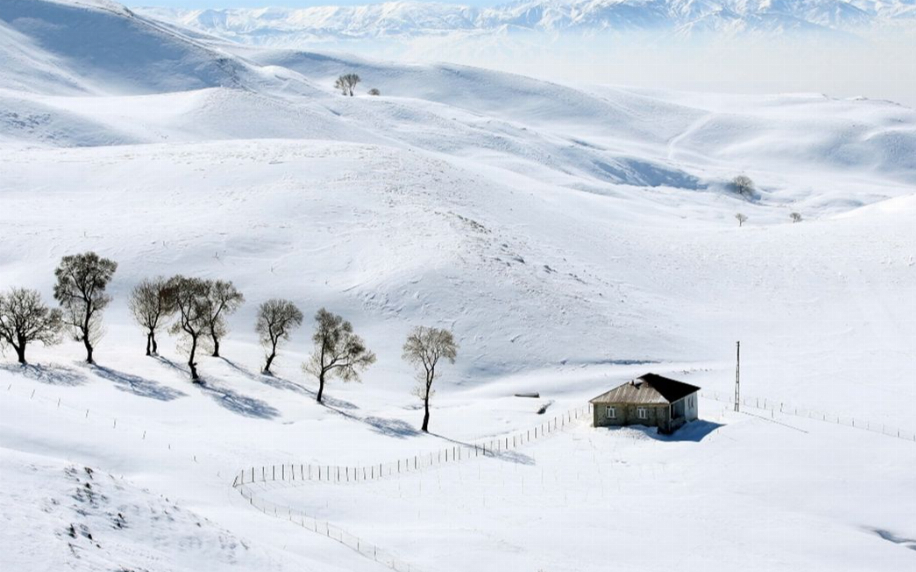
(397, 428)
(286, 385)
(51, 375)
(176, 366)
(891, 537)
(238, 403)
(228, 398)
(137, 385)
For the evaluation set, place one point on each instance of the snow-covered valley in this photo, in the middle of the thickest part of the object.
(571, 237)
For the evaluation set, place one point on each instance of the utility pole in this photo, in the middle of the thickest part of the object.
(738, 378)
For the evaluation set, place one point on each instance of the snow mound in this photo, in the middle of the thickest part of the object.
(81, 518)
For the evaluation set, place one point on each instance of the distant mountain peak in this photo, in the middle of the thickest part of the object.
(292, 26)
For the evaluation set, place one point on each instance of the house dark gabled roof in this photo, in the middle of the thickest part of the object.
(649, 389)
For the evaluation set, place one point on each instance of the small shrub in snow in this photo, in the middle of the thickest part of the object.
(346, 83)
(276, 320)
(338, 351)
(25, 318)
(424, 348)
(741, 219)
(796, 217)
(80, 290)
(374, 91)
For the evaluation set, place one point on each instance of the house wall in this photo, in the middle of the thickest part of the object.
(692, 411)
(657, 415)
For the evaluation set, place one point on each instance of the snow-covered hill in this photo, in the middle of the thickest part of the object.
(572, 237)
(294, 26)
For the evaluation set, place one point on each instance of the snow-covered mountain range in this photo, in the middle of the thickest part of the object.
(286, 26)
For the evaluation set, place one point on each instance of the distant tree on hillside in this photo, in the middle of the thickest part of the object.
(338, 351)
(24, 318)
(346, 83)
(424, 348)
(796, 217)
(192, 303)
(80, 290)
(152, 301)
(223, 299)
(374, 91)
(744, 186)
(741, 219)
(276, 320)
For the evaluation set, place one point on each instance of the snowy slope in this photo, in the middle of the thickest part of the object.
(572, 237)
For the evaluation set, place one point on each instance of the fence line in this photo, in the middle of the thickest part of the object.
(776, 406)
(457, 453)
(292, 473)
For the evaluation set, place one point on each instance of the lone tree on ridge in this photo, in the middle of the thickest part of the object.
(346, 83)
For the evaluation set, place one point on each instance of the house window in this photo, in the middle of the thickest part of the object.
(642, 413)
(611, 413)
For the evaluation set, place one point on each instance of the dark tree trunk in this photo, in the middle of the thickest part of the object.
(191, 365)
(20, 353)
(215, 346)
(155, 345)
(425, 427)
(88, 345)
(270, 360)
(149, 343)
(320, 386)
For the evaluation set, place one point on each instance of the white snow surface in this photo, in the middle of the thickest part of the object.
(572, 237)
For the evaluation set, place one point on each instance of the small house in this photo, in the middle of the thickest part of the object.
(650, 400)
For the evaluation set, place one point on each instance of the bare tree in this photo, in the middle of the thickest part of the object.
(192, 302)
(338, 351)
(276, 320)
(796, 217)
(25, 318)
(224, 299)
(744, 186)
(374, 91)
(424, 348)
(80, 290)
(741, 219)
(152, 301)
(346, 83)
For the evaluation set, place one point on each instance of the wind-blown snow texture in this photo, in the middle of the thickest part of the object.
(572, 239)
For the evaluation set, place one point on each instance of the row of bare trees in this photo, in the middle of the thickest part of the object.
(196, 310)
(81, 281)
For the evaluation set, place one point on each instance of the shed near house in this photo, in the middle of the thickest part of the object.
(650, 400)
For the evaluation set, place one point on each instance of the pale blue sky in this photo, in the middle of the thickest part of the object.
(195, 4)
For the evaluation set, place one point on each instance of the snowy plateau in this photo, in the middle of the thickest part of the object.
(571, 237)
